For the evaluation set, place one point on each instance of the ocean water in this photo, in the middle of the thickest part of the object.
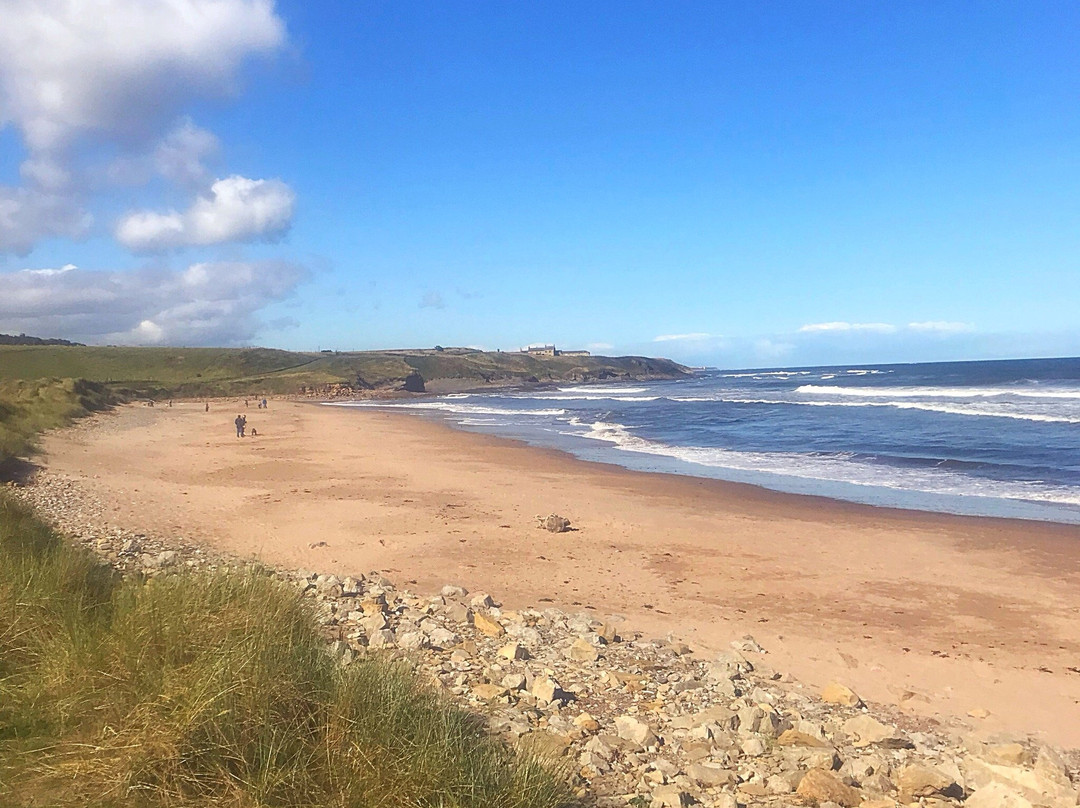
(995, 438)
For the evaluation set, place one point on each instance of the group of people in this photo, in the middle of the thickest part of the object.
(241, 425)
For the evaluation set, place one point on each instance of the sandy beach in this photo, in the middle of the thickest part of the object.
(934, 615)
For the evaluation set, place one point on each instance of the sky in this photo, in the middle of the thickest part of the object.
(731, 184)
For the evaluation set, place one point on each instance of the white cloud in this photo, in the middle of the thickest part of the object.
(599, 346)
(880, 328)
(205, 304)
(682, 337)
(941, 327)
(29, 214)
(236, 209)
(121, 68)
(180, 157)
(112, 73)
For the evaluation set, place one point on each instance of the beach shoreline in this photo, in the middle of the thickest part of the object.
(934, 614)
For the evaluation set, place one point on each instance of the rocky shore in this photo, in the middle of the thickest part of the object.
(631, 720)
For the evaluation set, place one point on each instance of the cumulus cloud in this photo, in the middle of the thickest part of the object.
(29, 214)
(181, 157)
(682, 337)
(204, 304)
(879, 328)
(941, 327)
(121, 68)
(236, 209)
(114, 72)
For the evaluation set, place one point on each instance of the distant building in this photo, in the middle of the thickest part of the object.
(551, 350)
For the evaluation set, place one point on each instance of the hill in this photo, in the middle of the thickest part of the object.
(266, 371)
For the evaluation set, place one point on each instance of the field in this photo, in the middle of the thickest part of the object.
(264, 371)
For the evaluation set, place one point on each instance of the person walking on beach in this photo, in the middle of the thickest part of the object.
(239, 426)
(208, 406)
(243, 426)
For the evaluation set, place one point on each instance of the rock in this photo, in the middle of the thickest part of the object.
(380, 638)
(375, 622)
(997, 795)
(586, 722)
(710, 775)
(918, 780)
(836, 693)
(670, 797)
(458, 612)
(554, 523)
(818, 786)
(582, 651)
(547, 689)
(866, 731)
(1046, 784)
(488, 625)
(634, 730)
(413, 383)
(747, 643)
(451, 591)
(352, 587)
(443, 638)
(979, 712)
(514, 681)
(792, 737)
(481, 600)
(412, 640)
(488, 692)
(513, 651)
(1009, 754)
(753, 747)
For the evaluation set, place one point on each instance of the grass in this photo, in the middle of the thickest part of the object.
(182, 372)
(30, 407)
(215, 689)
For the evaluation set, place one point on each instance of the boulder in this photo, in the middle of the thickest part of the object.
(670, 797)
(836, 693)
(818, 786)
(867, 731)
(710, 775)
(488, 625)
(413, 383)
(997, 795)
(513, 651)
(488, 692)
(554, 523)
(917, 780)
(582, 651)
(792, 737)
(635, 730)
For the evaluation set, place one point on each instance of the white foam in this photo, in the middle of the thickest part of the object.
(608, 397)
(596, 389)
(835, 468)
(936, 392)
(973, 410)
(450, 406)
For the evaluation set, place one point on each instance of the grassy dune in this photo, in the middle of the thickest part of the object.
(215, 690)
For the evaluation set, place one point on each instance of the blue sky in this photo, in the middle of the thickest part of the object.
(724, 183)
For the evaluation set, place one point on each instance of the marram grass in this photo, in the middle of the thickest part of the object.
(206, 689)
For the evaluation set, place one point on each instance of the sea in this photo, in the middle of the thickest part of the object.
(986, 438)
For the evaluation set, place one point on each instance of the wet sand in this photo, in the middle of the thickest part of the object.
(937, 615)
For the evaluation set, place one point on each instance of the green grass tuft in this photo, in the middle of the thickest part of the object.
(203, 689)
